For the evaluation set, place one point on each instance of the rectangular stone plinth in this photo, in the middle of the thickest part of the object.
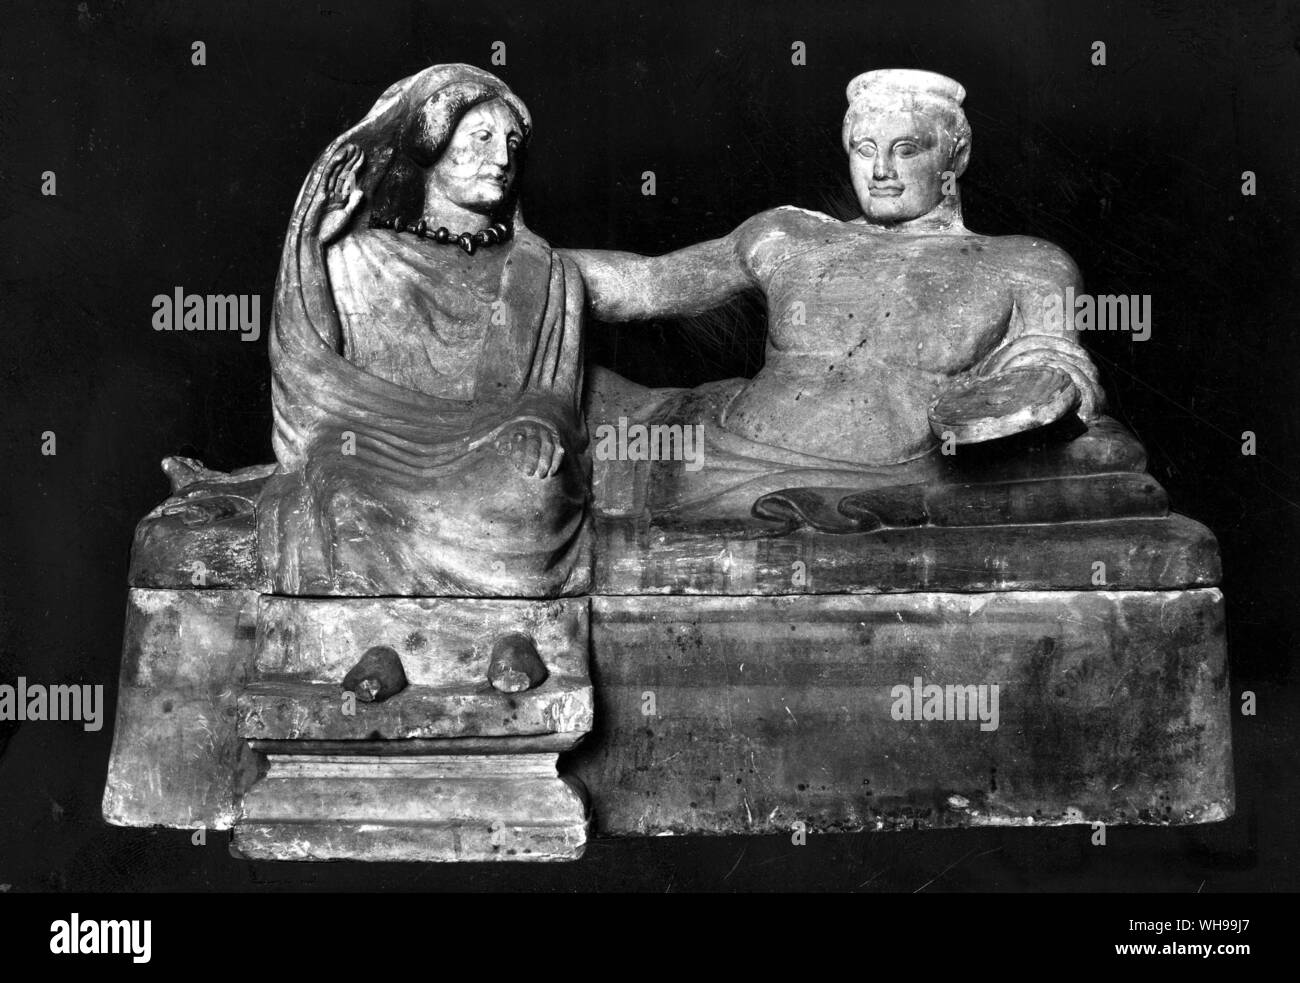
(748, 714)
(424, 808)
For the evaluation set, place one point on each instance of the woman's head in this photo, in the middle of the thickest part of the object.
(464, 143)
(476, 167)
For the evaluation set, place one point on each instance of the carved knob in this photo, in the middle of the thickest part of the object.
(515, 665)
(377, 675)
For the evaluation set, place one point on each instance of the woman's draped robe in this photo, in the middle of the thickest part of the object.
(386, 490)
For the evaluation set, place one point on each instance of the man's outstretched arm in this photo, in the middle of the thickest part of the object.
(630, 287)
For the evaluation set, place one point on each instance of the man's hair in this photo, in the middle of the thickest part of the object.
(423, 140)
(923, 92)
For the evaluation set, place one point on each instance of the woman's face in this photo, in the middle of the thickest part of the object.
(481, 160)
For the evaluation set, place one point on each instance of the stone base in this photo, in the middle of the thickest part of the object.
(425, 808)
(750, 714)
(1114, 706)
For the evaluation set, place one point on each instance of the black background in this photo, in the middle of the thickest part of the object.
(175, 175)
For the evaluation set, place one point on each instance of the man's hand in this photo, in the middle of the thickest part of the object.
(532, 447)
(337, 196)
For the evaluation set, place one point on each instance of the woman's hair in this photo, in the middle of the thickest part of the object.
(422, 141)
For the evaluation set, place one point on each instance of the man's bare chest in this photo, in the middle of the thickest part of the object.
(946, 297)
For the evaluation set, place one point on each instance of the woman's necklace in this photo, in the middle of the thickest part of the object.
(495, 233)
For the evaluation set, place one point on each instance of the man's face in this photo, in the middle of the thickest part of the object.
(897, 158)
(481, 160)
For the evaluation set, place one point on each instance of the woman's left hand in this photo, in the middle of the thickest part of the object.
(533, 448)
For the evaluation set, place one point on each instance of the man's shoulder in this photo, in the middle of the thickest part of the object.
(786, 218)
(776, 225)
(1031, 258)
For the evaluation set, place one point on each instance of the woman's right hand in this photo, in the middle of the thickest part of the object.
(337, 196)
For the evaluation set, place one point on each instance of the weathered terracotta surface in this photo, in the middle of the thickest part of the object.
(1113, 707)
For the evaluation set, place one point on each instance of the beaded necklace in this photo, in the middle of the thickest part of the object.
(495, 233)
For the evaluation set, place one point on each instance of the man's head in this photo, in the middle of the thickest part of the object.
(903, 130)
